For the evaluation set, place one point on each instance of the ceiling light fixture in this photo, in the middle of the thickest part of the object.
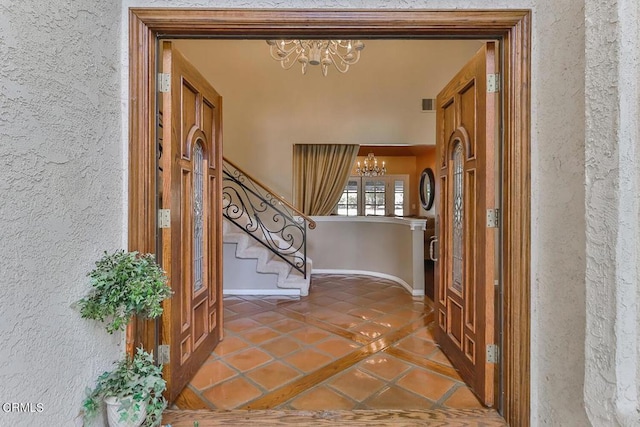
(340, 53)
(371, 167)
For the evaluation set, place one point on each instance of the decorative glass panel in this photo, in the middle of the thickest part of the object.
(374, 198)
(198, 222)
(458, 213)
(348, 204)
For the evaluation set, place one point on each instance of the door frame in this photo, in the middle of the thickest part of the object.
(511, 27)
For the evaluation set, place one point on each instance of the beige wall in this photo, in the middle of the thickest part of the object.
(381, 247)
(268, 109)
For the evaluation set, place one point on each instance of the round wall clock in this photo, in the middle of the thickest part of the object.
(427, 188)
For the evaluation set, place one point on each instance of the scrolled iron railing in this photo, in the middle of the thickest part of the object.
(268, 218)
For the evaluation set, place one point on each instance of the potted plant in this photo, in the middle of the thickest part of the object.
(124, 284)
(132, 393)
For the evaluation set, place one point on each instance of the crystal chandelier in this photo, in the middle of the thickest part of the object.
(340, 53)
(371, 167)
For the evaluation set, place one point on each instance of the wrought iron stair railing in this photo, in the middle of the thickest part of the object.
(266, 217)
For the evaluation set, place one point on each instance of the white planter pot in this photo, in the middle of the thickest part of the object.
(113, 414)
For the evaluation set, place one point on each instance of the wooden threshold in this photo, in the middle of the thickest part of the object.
(395, 418)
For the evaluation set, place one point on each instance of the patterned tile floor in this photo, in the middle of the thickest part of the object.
(356, 342)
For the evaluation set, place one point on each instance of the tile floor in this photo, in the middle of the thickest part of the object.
(356, 342)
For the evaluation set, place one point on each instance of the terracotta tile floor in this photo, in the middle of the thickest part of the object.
(356, 342)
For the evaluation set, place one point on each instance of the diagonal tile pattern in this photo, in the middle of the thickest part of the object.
(356, 342)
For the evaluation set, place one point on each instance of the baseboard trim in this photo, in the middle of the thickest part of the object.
(408, 287)
(262, 292)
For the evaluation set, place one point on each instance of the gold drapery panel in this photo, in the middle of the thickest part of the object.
(320, 172)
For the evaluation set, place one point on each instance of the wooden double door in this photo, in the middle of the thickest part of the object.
(466, 223)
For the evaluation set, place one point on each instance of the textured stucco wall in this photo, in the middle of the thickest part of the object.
(557, 265)
(61, 197)
(613, 230)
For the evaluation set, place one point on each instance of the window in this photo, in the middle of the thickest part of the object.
(380, 195)
(374, 197)
(398, 197)
(348, 204)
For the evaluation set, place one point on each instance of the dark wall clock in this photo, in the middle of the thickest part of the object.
(427, 188)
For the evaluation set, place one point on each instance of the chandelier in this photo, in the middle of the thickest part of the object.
(371, 167)
(339, 53)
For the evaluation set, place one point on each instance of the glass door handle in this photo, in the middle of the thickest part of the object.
(432, 245)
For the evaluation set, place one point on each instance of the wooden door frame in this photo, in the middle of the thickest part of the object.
(511, 27)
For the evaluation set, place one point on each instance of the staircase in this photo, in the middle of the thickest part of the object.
(264, 239)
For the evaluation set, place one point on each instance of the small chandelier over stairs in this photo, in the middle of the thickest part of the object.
(339, 53)
(371, 167)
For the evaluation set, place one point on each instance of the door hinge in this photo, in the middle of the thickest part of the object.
(164, 218)
(493, 83)
(493, 353)
(164, 82)
(493, 218)
(164, 354)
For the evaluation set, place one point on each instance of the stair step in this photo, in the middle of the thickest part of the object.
(267, 262)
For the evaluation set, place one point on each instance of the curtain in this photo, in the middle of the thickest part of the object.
(320, 172)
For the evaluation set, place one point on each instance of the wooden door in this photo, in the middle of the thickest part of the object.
(465, 270)
(192, 245)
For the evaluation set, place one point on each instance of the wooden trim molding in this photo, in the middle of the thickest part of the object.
(357, 418)
(510, 27)
(516, 227)
(142, 160)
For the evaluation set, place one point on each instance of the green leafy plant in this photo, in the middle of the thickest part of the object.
(124, 284)
(135, 382)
